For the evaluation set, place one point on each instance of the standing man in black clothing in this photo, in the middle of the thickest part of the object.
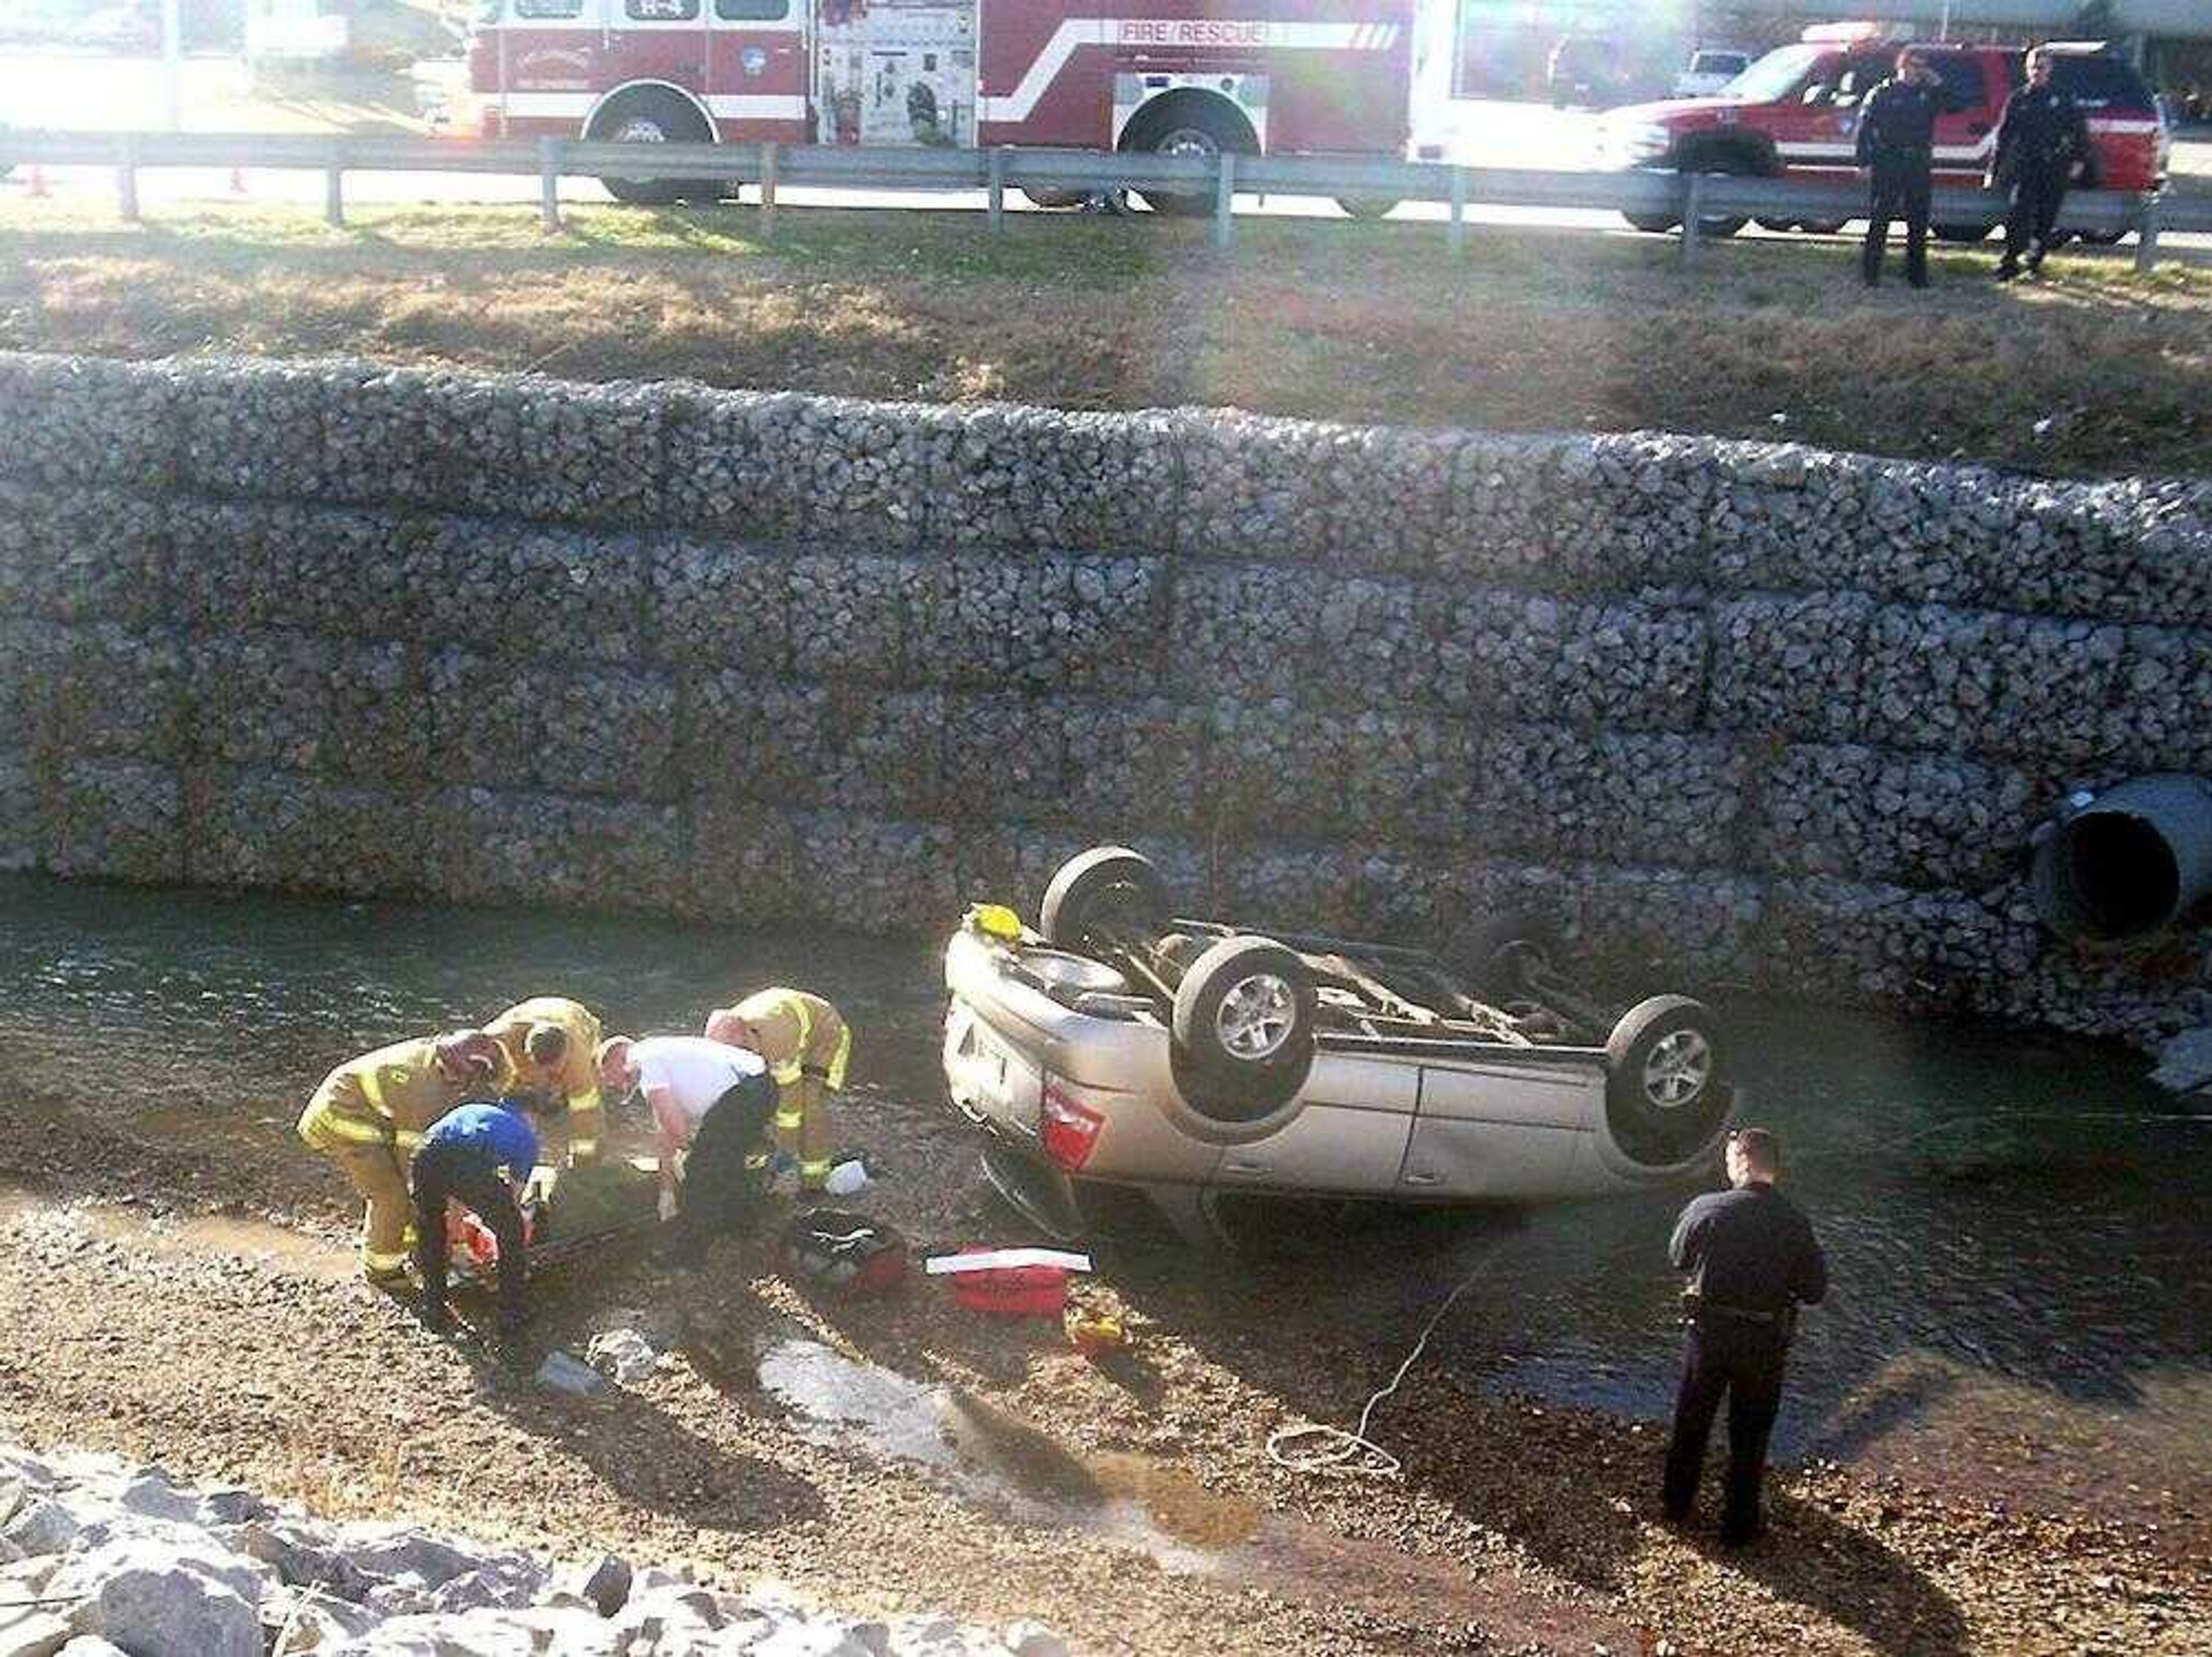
(1897, 151)
(2043, 145)
(1752, 1260)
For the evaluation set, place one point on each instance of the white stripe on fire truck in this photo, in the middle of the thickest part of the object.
(575, 106)
(1079, 32)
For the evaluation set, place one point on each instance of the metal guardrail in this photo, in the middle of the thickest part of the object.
(1690, 200)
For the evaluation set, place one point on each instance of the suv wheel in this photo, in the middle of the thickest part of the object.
(1667, 1081)
(1245, 1017)
(1107, 889)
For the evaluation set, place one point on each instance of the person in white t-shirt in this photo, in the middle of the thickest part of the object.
(713, 1102)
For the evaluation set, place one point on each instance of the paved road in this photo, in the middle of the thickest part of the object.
(99, 93)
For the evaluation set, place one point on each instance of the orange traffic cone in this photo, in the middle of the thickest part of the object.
(37, 183)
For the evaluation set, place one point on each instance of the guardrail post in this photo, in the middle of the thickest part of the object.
(548, 185)
(997, 188)
(126, 179)
(1457, 236)
(1693, 210)
(1224, 197)
(2146, 235)
(334, 186)
(769, 156)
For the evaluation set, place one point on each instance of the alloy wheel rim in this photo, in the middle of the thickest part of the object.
(1678, 1069)
(1256, 1017)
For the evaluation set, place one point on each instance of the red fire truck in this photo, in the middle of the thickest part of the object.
(1183, 76)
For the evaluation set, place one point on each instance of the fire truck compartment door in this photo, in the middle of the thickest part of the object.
(895, 72)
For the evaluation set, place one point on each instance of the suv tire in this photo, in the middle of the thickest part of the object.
(1244, 1019)
(1105, 889)
(1667, 1089)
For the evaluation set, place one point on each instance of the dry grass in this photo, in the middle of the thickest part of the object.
(1534, 330)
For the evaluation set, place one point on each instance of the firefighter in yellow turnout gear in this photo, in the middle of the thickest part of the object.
(807, 1047)
(547, 1043)
(367, 1117)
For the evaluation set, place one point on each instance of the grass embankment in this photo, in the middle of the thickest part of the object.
(2096, 369)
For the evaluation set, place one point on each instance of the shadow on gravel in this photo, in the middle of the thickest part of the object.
(1849, 1577)
(650, 1459)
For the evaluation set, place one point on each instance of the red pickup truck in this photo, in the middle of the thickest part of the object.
(1795, 113)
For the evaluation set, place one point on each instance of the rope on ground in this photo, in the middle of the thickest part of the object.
(1353, 1454)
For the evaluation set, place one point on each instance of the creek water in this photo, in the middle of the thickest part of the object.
(2019, 1227)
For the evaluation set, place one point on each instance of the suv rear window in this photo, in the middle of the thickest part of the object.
(2099, 82)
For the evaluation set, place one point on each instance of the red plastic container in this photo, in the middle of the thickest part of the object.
(1013, 1291)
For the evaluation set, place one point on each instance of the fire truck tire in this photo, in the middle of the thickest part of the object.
(651, 117)
(1822, 227)
(1652, 224)
(1962, 233)
(1368, 207)
(1188, 123)
(1056, 197)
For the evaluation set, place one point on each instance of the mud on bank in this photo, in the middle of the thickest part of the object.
(232, 1354)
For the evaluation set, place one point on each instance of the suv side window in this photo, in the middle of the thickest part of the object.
(1862, 76)
(2097, 82)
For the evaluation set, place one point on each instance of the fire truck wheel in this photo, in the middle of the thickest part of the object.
(1962, 232)
(650, 116)
(1652, 224)
(1188, 123)
(1056, 197)
(1367, 207)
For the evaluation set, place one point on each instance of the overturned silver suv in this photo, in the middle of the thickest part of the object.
(1128, 1066)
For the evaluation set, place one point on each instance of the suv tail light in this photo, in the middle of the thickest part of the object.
(1071, 1130)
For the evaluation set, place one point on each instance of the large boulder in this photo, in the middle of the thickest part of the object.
(603, 1583)
(507, 1583)
(156, 1597)
(155, 1495)
(42, 1524)
(32, 1631)
(540, 1632)
(302, 1620)
(302, 1553)
(404, 1554)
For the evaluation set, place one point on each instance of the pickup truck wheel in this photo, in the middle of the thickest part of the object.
(1667, 1088)
(1244, 1018)
(1107, 888)
(1652, 224)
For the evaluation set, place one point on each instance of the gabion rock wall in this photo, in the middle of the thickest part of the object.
(1724, 712)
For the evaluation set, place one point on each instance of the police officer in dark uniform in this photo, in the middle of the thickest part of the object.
(1752, 1260)
(2042, 144)
(1897, 149)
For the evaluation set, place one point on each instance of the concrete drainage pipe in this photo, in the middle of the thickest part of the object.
(2121, 865)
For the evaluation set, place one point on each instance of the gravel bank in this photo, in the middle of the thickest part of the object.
(1131, 1509)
